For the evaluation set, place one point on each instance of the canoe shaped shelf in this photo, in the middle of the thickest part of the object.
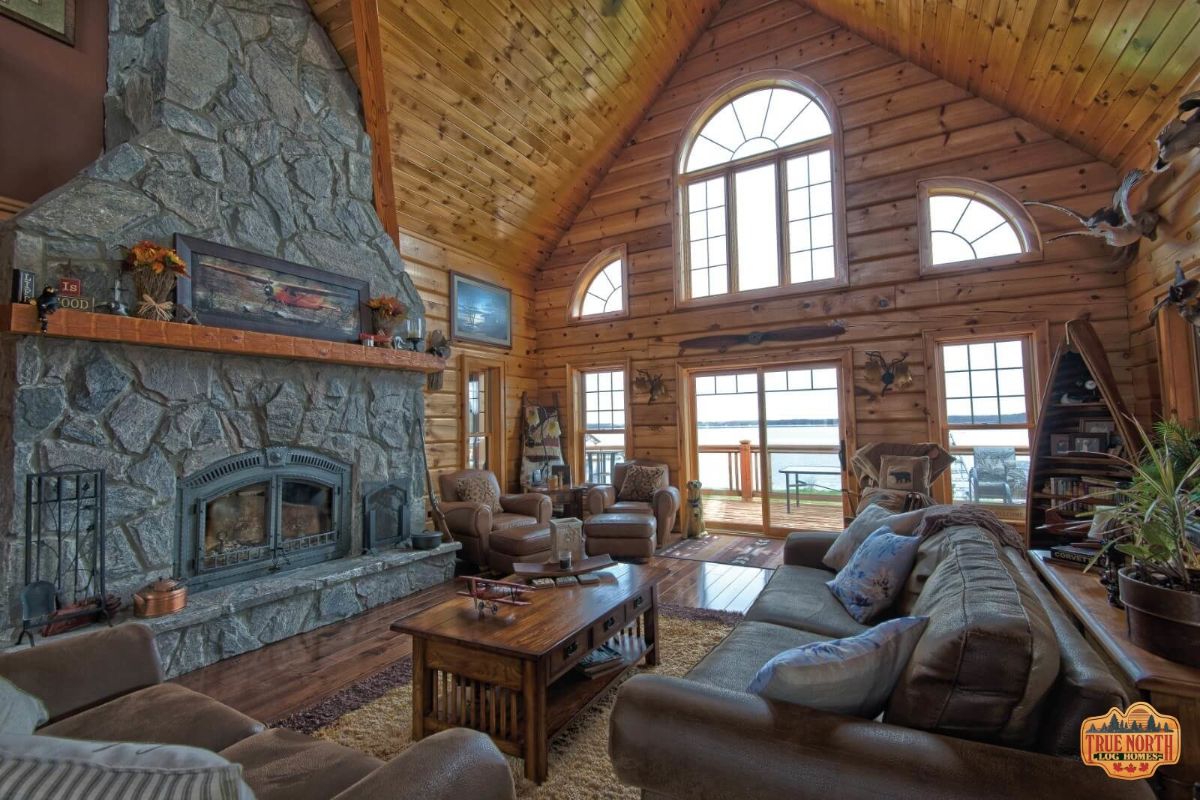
(22, 319)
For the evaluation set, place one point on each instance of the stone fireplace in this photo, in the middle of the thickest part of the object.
(237, 123)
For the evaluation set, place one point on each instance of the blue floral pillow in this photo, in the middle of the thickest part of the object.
(870, 583)
(855, 675)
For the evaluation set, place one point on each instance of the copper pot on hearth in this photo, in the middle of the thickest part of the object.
(163, 596)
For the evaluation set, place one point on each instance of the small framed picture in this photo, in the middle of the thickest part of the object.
(1092, 443)
(1060, 444)
(1098, 426)
(480, 312)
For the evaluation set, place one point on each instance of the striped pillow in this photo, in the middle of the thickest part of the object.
(49, 768)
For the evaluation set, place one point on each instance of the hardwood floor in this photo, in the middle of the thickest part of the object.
(738, 549)
(298, 672)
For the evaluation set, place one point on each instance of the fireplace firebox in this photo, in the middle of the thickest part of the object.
(262, 512)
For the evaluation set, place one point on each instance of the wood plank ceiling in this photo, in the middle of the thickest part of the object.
(504, 113)
(1104, 75)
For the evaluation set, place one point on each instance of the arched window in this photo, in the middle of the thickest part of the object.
(760, 191)
(966, 223)
(602, 288)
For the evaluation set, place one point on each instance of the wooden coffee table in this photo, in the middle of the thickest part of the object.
(511, 675)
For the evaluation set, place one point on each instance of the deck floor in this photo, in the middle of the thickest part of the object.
(747, 515)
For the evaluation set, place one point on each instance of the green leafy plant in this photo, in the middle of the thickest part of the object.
(1156, 518)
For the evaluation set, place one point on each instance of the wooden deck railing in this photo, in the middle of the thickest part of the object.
(742, 462)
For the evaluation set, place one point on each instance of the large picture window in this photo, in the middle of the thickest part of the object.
(760, 193)
(969, 224)
(602, 289)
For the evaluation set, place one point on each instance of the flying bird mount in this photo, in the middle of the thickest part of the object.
(1115, 223)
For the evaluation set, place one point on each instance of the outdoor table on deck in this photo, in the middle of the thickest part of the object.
(791, 480)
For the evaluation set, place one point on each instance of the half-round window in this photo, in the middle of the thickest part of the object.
(760, 192)
(968, 223)
(601, 290)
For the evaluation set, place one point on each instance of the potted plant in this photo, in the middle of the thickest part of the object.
(155, 270)
(1157, 525)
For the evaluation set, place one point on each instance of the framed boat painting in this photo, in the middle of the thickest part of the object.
(233, 288)
(480, 312)
(53, 17)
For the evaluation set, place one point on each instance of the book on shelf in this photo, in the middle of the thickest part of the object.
(1079, 554)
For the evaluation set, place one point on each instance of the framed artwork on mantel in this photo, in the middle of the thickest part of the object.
(480, 312)
(52, 17)
(232, 288)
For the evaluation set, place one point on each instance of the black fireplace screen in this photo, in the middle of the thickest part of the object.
(262, 512)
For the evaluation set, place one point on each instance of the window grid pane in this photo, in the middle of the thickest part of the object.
(964, 228)
(604, 423)
(978, 391)
(604, 294)
(810, 218)
(758, 121)
(709, 244)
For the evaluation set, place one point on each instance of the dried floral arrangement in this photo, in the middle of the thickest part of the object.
(155, 269)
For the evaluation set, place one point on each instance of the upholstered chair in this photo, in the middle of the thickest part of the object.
(471, 520)
(663, 504)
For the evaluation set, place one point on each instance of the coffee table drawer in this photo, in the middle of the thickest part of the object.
(609, 626)
(638, 604)
(570, 651)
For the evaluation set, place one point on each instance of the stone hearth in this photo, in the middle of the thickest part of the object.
(236, 122)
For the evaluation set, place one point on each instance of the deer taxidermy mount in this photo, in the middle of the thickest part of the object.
(893, 374)
(653, 384)
(802, 333)
(1182, 134)
(1116, 223)
(1184, 295)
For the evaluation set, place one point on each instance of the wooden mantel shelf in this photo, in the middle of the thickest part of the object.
(22, 319)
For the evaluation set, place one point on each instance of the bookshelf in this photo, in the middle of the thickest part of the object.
(1082, 424)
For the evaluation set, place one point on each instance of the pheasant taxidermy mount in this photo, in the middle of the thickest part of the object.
(1182, 134)
(653, 384)
(893, 374)
(1184, 295)
(802, 333)
(1116, 223)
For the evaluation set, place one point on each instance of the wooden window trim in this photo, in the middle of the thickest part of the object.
(788, 79)
(589, 274)
(497, 436)
(1037, 368)
(1003, 203)
(1178, 367)
(574, 375)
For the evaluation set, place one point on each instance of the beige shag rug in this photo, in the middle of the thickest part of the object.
(579, 764)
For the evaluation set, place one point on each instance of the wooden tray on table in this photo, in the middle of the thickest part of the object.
(551, 569)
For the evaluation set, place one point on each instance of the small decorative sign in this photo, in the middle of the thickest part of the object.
(24, 286)
(1130, 745)
(70, 295)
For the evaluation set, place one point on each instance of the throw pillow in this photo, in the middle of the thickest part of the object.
(20, 712)
(641, 483)
(867, 522)
(870, 583)
(846, 676)
(49, 768)
(905, 473)
(478, 489)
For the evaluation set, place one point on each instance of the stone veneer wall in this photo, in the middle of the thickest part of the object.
(233, 121)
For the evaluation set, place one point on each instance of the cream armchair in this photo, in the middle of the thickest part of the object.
(663, 505)
(472, 523)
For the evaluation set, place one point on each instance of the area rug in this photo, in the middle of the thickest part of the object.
(723, 548)
(375, 715)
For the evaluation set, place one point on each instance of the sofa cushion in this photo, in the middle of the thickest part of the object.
(735, 662)
(904, 473)
(867, 522)
(505, 520)
(989, 655)
(164, 714)
(284, 765)
(20, 712)
(641, 482)
(797, 597)
(629, 507)
(49, 768)
(854, 675)
(870, 583)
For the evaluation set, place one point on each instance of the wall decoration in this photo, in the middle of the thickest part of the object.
(893, 374)
(156, 273)
(234, 288)
(1182, 134)
(1116, 223)
(386, 314)
(53, 17)
(541, 444)
(1183, 295)
(802, 333)
(1090, 443)
(437, 345)
(654, 385)
(480, 312)
(24, 286)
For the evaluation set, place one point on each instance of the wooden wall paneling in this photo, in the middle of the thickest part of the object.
(901, 124)
(368, 59)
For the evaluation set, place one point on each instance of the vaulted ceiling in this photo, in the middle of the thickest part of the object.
(502, 114)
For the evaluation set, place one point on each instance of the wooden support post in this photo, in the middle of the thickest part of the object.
(365, 18)
(746, 470)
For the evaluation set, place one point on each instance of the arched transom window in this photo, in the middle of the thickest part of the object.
(601, 289)
(760, 192)
(968, 223)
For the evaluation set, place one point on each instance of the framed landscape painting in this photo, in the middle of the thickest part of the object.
(233, 288)
(53, 17)
(480, 312)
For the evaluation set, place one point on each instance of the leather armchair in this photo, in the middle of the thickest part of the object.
(664, 504)
(472, 523)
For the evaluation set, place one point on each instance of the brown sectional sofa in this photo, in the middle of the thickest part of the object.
(107, 686)
(989, 705)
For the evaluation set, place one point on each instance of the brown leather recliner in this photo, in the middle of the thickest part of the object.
(663, 506)
(472, 523)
